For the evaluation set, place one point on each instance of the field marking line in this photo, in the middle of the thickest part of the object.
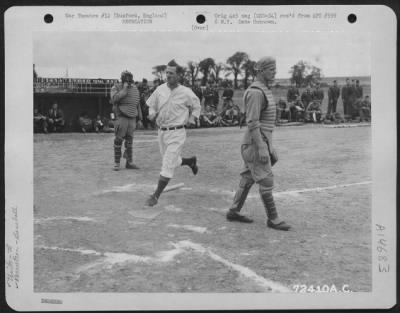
(292, 192)
(174, 187)
(245, 271)
(197, 229)
(219, 210)
(81, 251)
(64, 218)
(137, 187)
(109, 259)
(127, 188)
(173, 208)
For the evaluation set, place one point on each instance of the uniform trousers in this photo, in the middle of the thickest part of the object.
(171, 145)
(123, 129)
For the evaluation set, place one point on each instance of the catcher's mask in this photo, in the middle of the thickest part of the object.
(126, 76)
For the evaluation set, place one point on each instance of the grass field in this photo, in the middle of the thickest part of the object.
(93, 235)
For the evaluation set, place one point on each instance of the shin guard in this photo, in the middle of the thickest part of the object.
(267, 198)
(241, 194)
(117, 150)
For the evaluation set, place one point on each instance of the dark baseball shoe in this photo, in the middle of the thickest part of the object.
(279, 226)
(151, 201)
(236, 217)
(116, 167)
(193, 165)
(131, 166)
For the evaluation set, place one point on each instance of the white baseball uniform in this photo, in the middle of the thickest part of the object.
(173, 109)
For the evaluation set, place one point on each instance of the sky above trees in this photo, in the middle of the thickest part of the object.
(106, 54)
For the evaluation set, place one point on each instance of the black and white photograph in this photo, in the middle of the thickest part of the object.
(235, 161)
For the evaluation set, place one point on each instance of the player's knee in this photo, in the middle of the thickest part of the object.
(118, 141)
(266, 184)
(246, 183)
(129, 141)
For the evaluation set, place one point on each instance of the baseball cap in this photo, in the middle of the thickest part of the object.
(264, 63)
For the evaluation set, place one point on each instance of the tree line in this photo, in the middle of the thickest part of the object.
(239, 65)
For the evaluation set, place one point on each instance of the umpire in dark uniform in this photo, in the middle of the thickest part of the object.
(292, 93)
(347, 95)
(318, 94)
(358, 90)
(125, 98)
(333, 96)
(307, 97)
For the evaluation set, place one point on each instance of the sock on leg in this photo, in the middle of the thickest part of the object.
(187, 161)
(162, 183)
(269, 205)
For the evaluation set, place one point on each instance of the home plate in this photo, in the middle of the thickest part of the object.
(145, 213)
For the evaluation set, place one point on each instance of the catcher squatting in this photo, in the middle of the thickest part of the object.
(172, 106)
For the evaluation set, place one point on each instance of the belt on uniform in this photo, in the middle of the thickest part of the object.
(172, 128)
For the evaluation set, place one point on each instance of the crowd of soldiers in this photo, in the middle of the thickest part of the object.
(306, 107)
(298, 107)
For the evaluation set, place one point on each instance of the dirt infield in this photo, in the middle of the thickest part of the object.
(92, 234)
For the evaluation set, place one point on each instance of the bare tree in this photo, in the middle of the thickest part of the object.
(235, 63)
(218, 68)
(35, 75)
(206, 66)
(159, 71)
(249, 70)
(304, 73)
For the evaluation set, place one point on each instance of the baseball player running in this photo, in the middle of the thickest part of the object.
(172, 106)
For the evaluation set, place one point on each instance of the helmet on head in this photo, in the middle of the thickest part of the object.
(126, 76)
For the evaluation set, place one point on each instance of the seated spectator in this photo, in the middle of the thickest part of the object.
(231, 115)
(333, 118)
(196, 88)
(307, 97)
(313, 112)
(85, 123)
(282, 111)
(108, 125)
(297, 110)
(227, 96)
(210, 95)
(99, 123)
(55, 118)
(195, 125)
(365, 110)
(209, 118)
(361, 109)
(39, 122)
